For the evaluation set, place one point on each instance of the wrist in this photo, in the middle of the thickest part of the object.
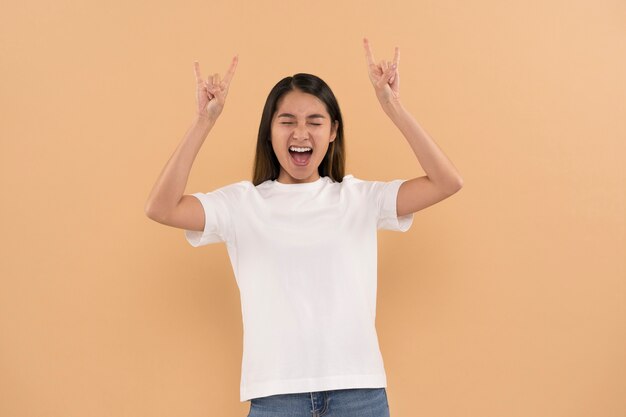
(205, 118)
(391, 106)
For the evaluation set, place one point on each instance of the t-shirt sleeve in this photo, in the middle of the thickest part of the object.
(218, 208)
(386, 194)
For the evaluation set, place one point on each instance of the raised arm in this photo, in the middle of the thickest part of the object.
(441, 179)
(166, 203)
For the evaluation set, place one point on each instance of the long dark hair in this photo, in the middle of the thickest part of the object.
(266, 165)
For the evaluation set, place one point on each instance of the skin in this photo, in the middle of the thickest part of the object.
(301, 120)
(211, 93)
(441, 180)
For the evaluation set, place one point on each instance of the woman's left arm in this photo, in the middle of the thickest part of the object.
(442, 179)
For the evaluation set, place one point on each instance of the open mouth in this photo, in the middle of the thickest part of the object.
(302, 156)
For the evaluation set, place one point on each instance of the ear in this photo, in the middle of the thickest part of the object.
(333, 131)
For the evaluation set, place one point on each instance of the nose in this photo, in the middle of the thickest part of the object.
(300, 132)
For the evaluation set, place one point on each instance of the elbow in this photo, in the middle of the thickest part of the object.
(455, 185)
(158, 211)
(459, 183)
(152, 213)
(149, 213)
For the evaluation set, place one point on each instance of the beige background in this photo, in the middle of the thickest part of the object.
(507, 299)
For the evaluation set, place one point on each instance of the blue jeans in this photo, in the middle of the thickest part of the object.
(353, 402)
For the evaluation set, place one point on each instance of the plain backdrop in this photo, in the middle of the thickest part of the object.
(507, 299)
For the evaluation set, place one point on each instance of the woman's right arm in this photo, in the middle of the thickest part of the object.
(166, 203)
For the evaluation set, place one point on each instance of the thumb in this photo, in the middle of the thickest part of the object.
(387, 75)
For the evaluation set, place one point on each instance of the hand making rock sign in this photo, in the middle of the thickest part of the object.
(384, 76)
(211, 93)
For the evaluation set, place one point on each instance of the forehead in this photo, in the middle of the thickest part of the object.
(299, 103)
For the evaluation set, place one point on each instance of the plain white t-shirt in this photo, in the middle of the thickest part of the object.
(305, 260)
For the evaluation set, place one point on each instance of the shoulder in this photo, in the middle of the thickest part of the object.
(356, 187)
(233, 190)
(352, 182)
(376, 189)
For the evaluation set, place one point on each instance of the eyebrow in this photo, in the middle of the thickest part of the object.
(311, 116)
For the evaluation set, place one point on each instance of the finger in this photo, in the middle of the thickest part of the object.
(394, 77)
(396, 56)
(368, 52)
(383, 65)
(216, 79)
(396, 81)
(394, 72)
(389, 75)
(209, 91)
(386, 77)
(196, 68)
(231, 70)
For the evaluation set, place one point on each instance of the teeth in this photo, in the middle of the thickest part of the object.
(293, 148)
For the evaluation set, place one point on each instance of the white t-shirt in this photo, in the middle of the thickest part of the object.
(305, 260)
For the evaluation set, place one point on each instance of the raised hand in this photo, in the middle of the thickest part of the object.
(211, 93)
(385, 76)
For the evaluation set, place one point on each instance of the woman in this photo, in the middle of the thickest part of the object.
(301, 238)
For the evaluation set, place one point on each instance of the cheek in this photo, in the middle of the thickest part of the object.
(279, 147)
(325, 131)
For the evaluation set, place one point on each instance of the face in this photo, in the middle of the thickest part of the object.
(301, 121)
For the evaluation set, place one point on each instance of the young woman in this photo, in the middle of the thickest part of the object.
(301, 238)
